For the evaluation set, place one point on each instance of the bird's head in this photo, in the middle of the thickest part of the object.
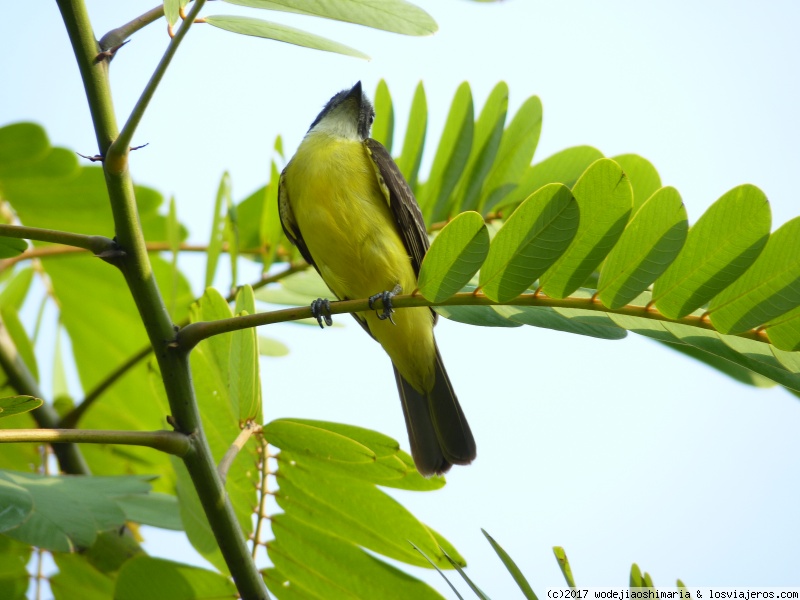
(349, 114)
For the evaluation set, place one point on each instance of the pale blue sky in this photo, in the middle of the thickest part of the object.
(618, 451)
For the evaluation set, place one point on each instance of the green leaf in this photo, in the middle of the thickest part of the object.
(16, 289)
(16, 503)
(455, 255)
(308, 439)
(77, 578)
(269, 347)
(581, 322)
(21, 143)
(193, 517)
(159, 579)
(740, 374)
(156, 510)
(244, 386)
(563, 564)
(217, 229)
(411, 157)
(396, 16)
(488, 133)
(393, 467)
(512, 567)
(529, 242)
(353, 510)
(643, 176)
(14, 405)
(649, 244)
(636, 576)
(14, 578)
(61, 398)
(221, 398)
(484, 316)
(451, 157)
(231, 238)
(271, 232)
(280, 33)
(171, 10)
(719, 248)
(515, 154)
(756, 356)
(69, 511)
(768, 289)
(478, 592)
(23, 344)
(784, 332)
(438, 570)
(563, 167)
(333, 568)
(603, 194)
(383, 127)
(12, 247)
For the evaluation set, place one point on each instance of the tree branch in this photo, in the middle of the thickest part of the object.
(117, 36)
(61, 250)
(116, 158)
(170, 442)
(70, 459)
(248, 429)
(138, 272)
(189, 336)
(96, 244)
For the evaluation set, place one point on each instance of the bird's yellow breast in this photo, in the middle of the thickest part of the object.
(345, 219)
(347, 225)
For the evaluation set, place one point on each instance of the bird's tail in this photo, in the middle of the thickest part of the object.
(437, 428)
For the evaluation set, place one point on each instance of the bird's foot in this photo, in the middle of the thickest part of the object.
(386, 299)
(321, 309)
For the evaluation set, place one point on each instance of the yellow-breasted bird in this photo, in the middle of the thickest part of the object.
(344, 203)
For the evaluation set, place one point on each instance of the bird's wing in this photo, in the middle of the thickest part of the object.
(402, 203)
(289, 224)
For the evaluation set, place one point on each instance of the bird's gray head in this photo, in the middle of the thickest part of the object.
(349, 114)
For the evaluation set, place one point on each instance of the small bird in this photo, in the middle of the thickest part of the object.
(345, 204)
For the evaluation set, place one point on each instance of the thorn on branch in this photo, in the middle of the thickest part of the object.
(95, 158)
(101, 158)
(109, 54)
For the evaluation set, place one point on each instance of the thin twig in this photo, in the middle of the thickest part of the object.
(262, 501)
(93, 243)
(117, 36)
(194, 333)
(61, 250)
(170, 442)
(227, 460)
(123, 142)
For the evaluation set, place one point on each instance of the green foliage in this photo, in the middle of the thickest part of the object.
(454, 257)
(531, 241)
(280, 33)
(146, 577)
(580, 243)
(63, 514)
(396, 16)
(14, 405)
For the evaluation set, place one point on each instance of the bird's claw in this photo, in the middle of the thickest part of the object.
(321, 309)
(386, 299)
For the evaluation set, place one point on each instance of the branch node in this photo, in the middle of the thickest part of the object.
(108, 55)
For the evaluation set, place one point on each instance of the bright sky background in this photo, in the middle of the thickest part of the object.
(618, 451)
